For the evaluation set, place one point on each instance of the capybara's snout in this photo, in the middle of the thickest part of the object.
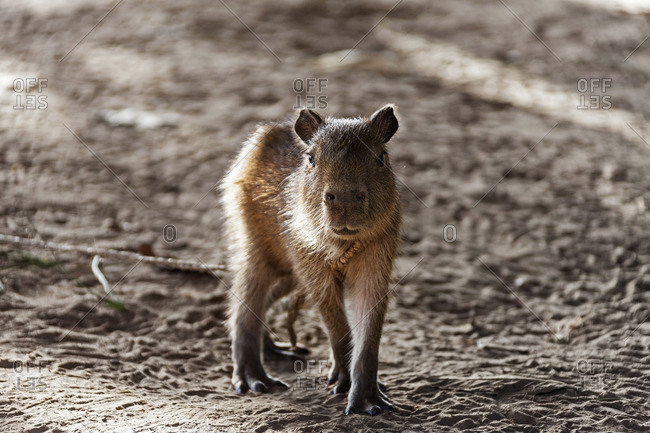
(346, 207)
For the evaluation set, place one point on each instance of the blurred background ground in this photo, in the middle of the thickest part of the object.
(533, 317)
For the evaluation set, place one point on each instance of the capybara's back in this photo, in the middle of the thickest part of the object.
(251, 201)
(313, 206)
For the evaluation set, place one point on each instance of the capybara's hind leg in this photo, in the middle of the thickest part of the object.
(276, 350)
(248, 307)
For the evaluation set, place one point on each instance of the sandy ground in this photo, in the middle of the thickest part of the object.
(533, 317)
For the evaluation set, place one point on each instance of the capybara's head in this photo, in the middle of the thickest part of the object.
(347, 187)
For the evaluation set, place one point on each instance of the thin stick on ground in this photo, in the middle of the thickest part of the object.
(166, 262)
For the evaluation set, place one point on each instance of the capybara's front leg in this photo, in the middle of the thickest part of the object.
(365, 394)
(248, 307)
(332, 309)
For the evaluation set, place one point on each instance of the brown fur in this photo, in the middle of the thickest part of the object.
(296, 200)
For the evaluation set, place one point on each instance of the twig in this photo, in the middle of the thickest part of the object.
(100, 276)
(166, 262)
(109, 297)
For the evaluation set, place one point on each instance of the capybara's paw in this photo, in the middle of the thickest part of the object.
(342, 387)
(284, 351)
(280, 351)
(342, 379)
(372, 404)
(256, 380)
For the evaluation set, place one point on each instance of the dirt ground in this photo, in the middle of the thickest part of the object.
(523, 282)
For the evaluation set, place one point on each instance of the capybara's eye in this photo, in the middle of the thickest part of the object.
(382, 159)
(311, 160)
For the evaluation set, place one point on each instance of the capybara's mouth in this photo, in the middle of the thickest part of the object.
(345, 231)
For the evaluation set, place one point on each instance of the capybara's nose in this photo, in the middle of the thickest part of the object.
(343, 197)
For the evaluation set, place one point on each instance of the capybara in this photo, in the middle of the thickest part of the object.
(312, 207)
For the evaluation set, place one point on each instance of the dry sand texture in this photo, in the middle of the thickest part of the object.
(529, 315)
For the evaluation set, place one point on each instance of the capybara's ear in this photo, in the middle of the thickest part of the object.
(307, 124)
(384, 122)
